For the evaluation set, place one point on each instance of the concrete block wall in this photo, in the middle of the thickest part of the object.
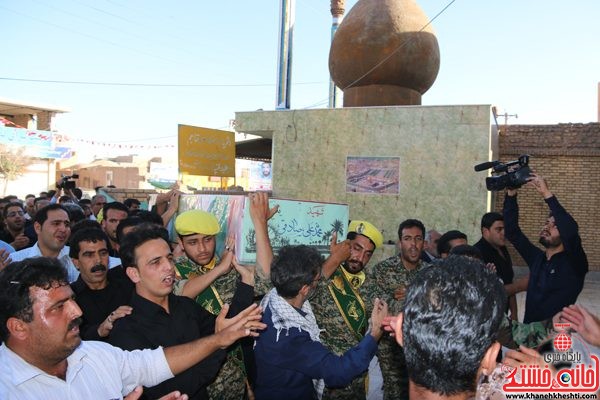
(437, 147)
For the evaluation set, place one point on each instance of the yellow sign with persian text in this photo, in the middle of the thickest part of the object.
(204, 151)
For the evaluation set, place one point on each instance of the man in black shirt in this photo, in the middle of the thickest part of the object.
(102, 298)
(14, 227)
(113, 213)
(160, 318)
(493, 249)
(556, 274)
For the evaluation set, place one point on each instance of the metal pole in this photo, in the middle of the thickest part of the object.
(337, 14)
(287, 9)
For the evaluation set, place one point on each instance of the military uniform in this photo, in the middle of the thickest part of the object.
(381, 281)
(336, 333)
(514, 333)
(231, 380)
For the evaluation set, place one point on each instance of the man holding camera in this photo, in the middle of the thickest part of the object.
(556, 274)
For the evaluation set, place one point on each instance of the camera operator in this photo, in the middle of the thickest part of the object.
(556, 274)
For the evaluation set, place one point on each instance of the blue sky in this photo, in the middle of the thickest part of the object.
(538, 59)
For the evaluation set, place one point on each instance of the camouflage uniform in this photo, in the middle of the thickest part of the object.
(381, 281)
(337, 337)
(514, 333)
(230, 383)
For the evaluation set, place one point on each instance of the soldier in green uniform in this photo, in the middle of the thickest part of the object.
(388, 281)
(338, 306)
(209, 280)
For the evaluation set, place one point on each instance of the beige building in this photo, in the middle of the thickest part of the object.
(29, 126)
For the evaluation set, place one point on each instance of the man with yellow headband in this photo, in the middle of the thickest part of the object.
(388, 281)
(209, 280)
(338, 304)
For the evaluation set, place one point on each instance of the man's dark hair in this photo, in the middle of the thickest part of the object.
(38, 199)
(127, 222)
(452, 315)
(9, 205)
(83, 202)
(136, 238)
(114, 205)
(42, 215)
(149, 216)
(77, 192)
(467, 250)
(294, 267)
(85, 224)
(443, 245)
(65, 199)
(15, 281)
(86, 235)
(131, 201)
(75, 212)
(30, 195)
(488, 219)
(411, 223)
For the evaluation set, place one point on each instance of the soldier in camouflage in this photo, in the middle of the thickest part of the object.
(209, 280)
(388, 281)
(338, 306)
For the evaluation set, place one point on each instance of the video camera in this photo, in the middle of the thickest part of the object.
(65, 183)
(516, 173)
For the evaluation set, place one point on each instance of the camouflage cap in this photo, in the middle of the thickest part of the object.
(367, 229)
(197, 221)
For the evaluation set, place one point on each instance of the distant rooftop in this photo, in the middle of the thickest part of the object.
(11, 107)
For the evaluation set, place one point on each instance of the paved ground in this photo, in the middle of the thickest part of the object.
(589, 296)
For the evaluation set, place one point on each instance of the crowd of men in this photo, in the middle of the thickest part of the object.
(97, 301)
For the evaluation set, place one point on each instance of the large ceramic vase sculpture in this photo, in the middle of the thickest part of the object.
(384, 53)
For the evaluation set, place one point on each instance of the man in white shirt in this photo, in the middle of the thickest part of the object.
(43, 357)
(53, 228)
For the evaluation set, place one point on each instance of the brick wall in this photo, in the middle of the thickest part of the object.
(568, 155)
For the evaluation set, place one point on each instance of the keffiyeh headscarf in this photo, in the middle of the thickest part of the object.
(285, 316)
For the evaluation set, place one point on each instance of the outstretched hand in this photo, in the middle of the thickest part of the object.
(246, 271)
(379, 313)
(524, 356)
(539, 183)
(259, 207)
(339, 252)
(583, 322)
(4, 258)
(246, 323)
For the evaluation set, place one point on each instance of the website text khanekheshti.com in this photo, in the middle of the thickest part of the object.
(552, 396)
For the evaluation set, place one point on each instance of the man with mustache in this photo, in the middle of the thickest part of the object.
(101, 295)
(43, 357)
(338, 303)
(557, 273)
(388, 281)
(160, 318)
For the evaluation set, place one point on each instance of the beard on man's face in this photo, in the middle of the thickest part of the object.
(353, 266)
(548, 242)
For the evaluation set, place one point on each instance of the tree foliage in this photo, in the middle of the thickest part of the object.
(12, 164)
